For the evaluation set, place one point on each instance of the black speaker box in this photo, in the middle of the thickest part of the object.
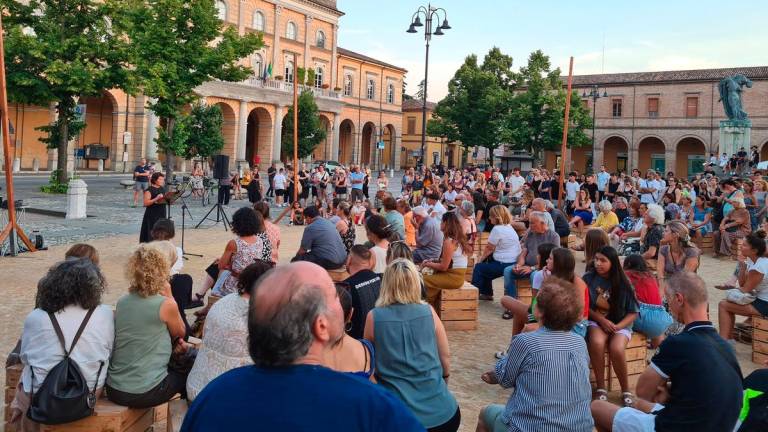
(220, 167)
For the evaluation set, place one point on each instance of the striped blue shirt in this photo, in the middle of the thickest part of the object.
(549, 371)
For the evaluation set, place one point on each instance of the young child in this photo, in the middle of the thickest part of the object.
(297, 214)
(358, 213)
(652, 320)
(368, 209)
(518, 308)
(613, 308)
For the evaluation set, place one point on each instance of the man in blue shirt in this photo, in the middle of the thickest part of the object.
(693, 382)
(294, 320)
(321, 242)
(602, 181)
(356, 178)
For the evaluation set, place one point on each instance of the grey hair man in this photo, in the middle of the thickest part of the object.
(538, 234)
(694, 379)
(294, 320)
(429, 237)
(562, 228)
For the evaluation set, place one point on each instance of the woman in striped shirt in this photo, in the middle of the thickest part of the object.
(548, 369)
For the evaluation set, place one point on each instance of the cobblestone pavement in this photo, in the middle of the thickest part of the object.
(471, 352)
(109, 209)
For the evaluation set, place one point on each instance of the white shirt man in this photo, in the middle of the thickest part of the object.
(649, 190)
(571, 189)
(516, 182)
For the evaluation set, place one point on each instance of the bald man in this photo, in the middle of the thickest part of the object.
(295, 318)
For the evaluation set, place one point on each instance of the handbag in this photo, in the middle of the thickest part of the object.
(735, 295)
(64, 396)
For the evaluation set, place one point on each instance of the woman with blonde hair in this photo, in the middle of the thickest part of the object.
(501, 251)
(412, 353)
(148, 328)
(677, 253)
(449, 270)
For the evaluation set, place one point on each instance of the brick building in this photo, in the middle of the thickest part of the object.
(664, 120)
(359, 98)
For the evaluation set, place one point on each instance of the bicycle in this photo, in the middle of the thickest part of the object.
(188, 188)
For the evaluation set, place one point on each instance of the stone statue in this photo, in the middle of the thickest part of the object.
(730, 95)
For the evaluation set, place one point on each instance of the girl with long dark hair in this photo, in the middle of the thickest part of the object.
(612, 310)
(449, 270)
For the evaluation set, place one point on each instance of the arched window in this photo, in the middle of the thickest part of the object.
(289, 71)
(258, 21)
(221, 10)
(319, 72)
(348, 85)
(371, 89)
(320, 39)
(258, 65)
(391, 93)
(291, 31)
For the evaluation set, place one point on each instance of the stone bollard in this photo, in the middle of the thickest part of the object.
(76, 199)
(101, 165)
(36, 165)
(16, 165)
(391, 173)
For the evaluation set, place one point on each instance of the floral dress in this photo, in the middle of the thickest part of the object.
(244, 256)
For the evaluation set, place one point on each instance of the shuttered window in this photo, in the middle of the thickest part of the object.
(653, 107)
(692, 106)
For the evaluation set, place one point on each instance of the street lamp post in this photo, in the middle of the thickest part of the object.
(429, 13)
(594, 93)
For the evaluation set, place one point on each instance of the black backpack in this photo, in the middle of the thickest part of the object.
(64, 396)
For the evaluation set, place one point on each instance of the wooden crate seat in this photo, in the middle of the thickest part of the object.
(524, 290)
(759, 340)
(705, 243)
(635, 354)
(458, 308)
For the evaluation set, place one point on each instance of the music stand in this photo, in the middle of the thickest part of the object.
(170, 198)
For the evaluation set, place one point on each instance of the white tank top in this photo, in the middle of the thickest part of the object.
(459, 259)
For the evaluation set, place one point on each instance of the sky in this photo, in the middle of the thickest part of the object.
(602, 36)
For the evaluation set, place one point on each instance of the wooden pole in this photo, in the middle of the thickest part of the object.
(12, 228)
(296, 129)
(566, 123)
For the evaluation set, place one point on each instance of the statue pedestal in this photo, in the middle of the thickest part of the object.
(734, 135)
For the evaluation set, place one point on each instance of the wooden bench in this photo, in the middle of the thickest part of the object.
(177, 410)
(339, 274)
(458, 308)
(470, 268)
(759, 340)
(636, 354)
(482, 240)
(12, 378)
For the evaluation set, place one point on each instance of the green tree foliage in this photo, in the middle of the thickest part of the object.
(311, 130)
(58, 50)
(474, 109)
(535, 119)
(490, 104)
(204, 127)
(176, 46)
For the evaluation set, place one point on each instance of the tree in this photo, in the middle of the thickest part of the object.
(311, 130)
(58, 51)
(176, 46)
(474, 109)
(406, 96)
(535, 119)
(203, 125)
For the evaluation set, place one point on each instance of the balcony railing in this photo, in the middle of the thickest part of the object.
(287, 87)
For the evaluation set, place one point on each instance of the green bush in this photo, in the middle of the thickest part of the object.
(53, 186)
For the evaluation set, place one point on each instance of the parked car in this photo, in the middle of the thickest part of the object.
(330, 165)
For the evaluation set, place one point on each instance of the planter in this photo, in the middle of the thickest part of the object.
(325, 86)
(278, 77)
(337, 89)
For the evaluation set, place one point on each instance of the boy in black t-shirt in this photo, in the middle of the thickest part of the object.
(364, 286)
(694, 381)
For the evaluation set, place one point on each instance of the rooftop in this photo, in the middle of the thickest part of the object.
(329, 4)
(755, 72)
(416, 105)
(365, 58)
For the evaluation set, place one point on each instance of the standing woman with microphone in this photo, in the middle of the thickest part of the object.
(155, 207)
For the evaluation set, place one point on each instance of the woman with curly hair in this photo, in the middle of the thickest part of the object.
(251, 244)
(68, 296)
(148, 328)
